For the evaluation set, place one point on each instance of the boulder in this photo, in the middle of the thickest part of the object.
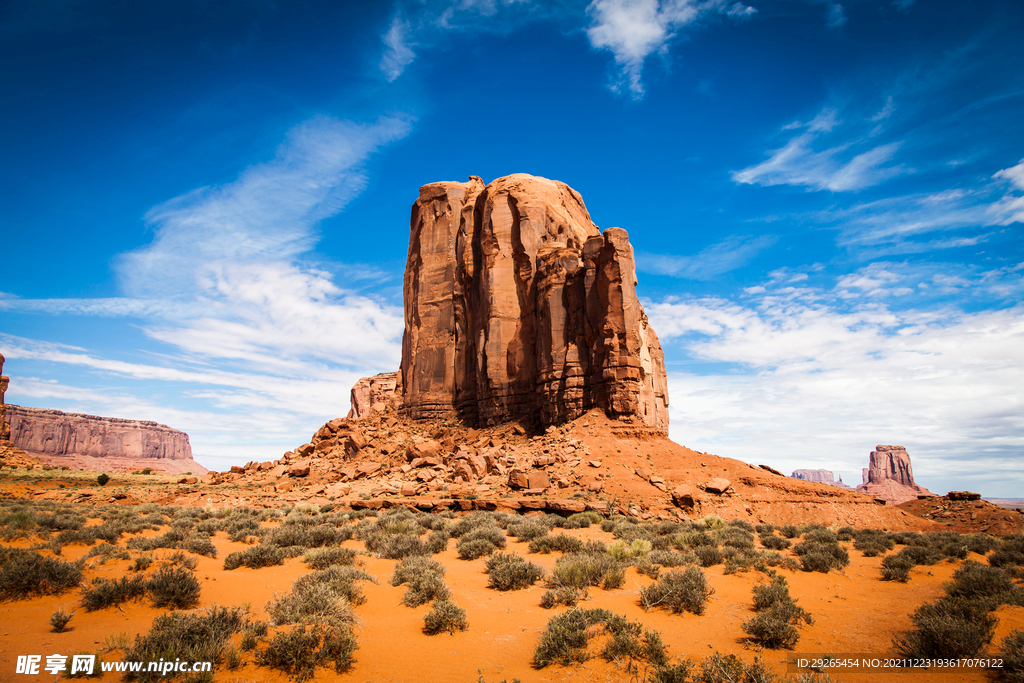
(961, 495)
(717, 485)
(298, 471)
(423, 448)
(682, 495)
(367, 469)
(518, 479)
(538, 479)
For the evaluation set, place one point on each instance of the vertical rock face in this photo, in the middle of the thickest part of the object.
(517, 307)
(890, 477)
(88, 441)
(5, 427)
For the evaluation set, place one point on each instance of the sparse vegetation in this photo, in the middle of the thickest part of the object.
(565, 639)
(1012, 652)
(509, 571)
(300, 650)
(678, 591)
(947, 628)
(60, 618)
(255, 557)
(777, 614)
(174, 587)
(582, 570)
(444, 615)
(193, 636)
(424, 579)
(24, 573)
(109, 592)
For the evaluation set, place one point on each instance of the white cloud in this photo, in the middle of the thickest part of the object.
(810, 380)
(1010, 208)
(632, 30)
(722, 257)
(398, 53)
(258, 335)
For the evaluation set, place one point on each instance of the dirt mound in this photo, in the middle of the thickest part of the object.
(965, 516)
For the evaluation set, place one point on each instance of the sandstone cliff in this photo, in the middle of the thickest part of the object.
(5, 427)
(100, 443)
(890, 477)
(824, 476)
(518, 308)
(374, 394)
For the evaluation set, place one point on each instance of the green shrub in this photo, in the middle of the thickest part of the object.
(975, 580)
(821, 556)
(582, 520)
(678, 590)
(509, 571)
(24, 573)
(475, 548)
(299, 651)
(200, 545)
(107, 592)
(770, 628)
(671, 558)
(565, 639)
(102, 479)
(707, 556)
(527, 530)
(424, 579)
(60, 618)
(255, 557)
(444, 615)
(1012, 652)
(141, 563)
(631, 645)
(190, 636)
(673, 673)
(1004, 557)
(174, 587)
(789, 531)
(437, 541)
(321, 558)
(948, 628)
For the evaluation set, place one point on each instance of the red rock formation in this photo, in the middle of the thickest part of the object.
(374, 394)
(518, 308)
(890, 477)
(5, 427)
(90, 442)
(823, 476)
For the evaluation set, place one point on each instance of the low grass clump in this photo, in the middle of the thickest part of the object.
(678, 591)
(565, 640)
(255, 557)
(110, 592)
(820, 552)
(174, 587)
(777, 614)
(582, 570)
(948, 628)
(188, 636)
(444, 615)
(24, 573)
(509, 571)
(424, 579)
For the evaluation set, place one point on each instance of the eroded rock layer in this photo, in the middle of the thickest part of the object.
(518, 308)
(890, 477)
(5, 427)
(86, 441)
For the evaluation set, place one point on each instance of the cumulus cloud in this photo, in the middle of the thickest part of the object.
(632, 30)
(811, 378)
(722, 257)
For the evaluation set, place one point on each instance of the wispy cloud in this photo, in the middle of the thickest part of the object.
(398, 53)
(722, 257)
(1010, 208)
(632, 30)
(813, 378)
(229, 283)
(839, 168)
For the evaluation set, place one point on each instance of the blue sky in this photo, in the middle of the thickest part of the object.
(205, 207)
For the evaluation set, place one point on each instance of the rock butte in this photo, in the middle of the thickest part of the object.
(889, 476)
(517, 308)
(5, 427)
(100, 443)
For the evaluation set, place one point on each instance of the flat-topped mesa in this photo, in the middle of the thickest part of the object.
(517, 307)
(90, 442)
(824, 476)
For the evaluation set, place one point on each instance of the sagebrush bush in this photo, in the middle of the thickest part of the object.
(975, 580)
(671, 558)
(255, 557)
(527, 530)
(582, 570)
(299, 651)
(444, 615)
(582, 520)
(789, 531)
(948, 628)
(24, 573)
(821, 556)
(321, 558)
(174, 587)
(565, 639)
(896, 568)
(424, 579)
(773, 542)
(110, 592)
(770, 628)
(563, 595)
(563, 543)
(678, 591)
(509, 571)
(190, 636)
(1012, 652)
(60, 618)
(708, 555)
(437, 541)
